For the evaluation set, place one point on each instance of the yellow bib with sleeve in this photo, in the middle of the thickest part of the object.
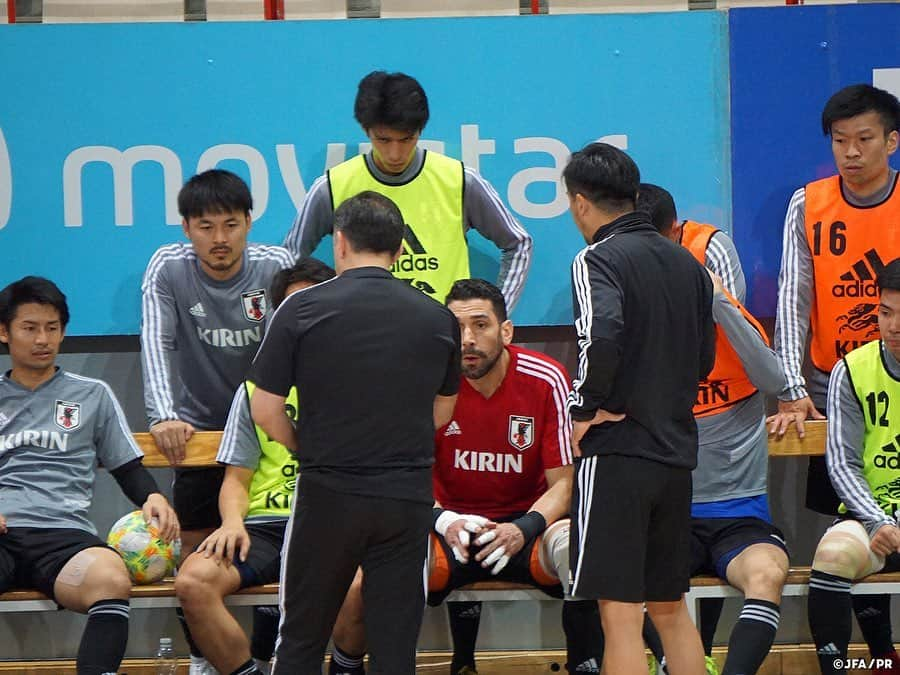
(273, 483)
(435, 253)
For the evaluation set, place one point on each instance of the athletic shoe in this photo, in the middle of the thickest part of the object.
(651, 665)
(712, 668)
(467, 670)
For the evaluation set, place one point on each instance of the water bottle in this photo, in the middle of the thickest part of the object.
(166, 661)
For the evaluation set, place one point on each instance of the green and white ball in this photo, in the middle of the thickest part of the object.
(147, 557)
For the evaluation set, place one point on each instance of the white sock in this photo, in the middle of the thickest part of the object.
(200, 666)
(265, 667)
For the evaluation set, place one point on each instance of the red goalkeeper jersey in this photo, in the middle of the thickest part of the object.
(491, 457)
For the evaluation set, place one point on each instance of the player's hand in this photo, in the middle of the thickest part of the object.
(225, 542)
(795, 412)
(171, 438)
(886, 540)
(579, 429)
(457, 532)
(157, 508)
(2, 524)
(499, 543)
(718, 285)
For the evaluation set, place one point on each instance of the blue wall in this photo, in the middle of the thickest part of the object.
(532, 90)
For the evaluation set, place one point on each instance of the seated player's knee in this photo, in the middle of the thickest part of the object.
(550, 556)
(843, 551)
(91, 575)
(199, 579)
(766, 577)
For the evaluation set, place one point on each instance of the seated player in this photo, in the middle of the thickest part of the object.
(861, 455)
(255, 504)
(54, 428)
(502, 484)
(732, 533)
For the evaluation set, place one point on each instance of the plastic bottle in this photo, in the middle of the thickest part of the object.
(166, 661)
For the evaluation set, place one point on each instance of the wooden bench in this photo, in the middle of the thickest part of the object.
(204, 445)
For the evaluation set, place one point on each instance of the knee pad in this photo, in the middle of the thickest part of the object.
(841, 545)
(438, 565)
(550, 556)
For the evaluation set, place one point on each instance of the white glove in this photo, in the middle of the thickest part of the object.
(472, 524)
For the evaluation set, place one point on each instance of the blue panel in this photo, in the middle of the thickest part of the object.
(785, 64)
(277, 94)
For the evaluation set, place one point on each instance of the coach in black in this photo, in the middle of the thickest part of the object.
(376, 365)
(643, 315)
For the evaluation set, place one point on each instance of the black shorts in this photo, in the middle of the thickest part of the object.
(715, 542)
(450, 574)
(263, 563)
(32, 557)
(630, 536)
(195, 496)
(820, 494)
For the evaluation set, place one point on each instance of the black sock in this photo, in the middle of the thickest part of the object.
(828, 608)
(752, 637)
(343, 663)
(710, 611)
(873, 614)
(584, 636)
(195, 650)
(104, 638)
(265, 632)
(652, 639)
(248, 668)
(464, 620)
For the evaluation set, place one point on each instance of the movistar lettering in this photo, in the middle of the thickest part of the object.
(224, 337)
(52, 440)
(492, 462)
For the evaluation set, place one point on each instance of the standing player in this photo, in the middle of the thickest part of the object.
(732, 532)
(205, 308)
(255, 503)
(646, 338)
(861, 453)
(837, 233)
(54, 428)
(376, 365)
(439, 198)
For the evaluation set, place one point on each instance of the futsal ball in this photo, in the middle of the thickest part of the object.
(147, 557)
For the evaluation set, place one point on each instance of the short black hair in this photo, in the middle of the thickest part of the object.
(479, 289)
(658, 203)
(889, 276)
(858, 99)
(214, 191)
(393, 100)
(32, 289)
(370, 222)
(605, 176)
(311, 270)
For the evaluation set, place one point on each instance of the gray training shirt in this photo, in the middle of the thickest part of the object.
(795, 296)
(482, 210)
(199, 335)
(50, 441)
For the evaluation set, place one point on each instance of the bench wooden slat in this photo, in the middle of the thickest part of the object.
(204, 445)
(201, 450)
(791, 445)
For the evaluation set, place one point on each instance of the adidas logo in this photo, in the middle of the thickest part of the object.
(197, 310)
(414, 257)
(859, 282)
(453, 429)
(589, 666)
(828, 650)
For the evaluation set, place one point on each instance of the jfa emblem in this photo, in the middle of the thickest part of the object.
(254, 304)
(521, 432)
(68, 415)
